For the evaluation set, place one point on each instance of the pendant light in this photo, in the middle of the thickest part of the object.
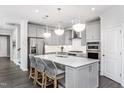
(78, 26)
(59, 31)
(47, 34)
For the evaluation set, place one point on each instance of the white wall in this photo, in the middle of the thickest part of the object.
(14, 48)
(23, 45)
(111, 18)
(5, 32)
(123, 55)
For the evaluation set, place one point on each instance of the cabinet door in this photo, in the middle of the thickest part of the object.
(48, 41)
(61, 39)
(70, 77)
(54, 39)
(93, 75)
(93, 31)
(89, 32)
(68, 36)
(32, 30)
(40, 31)
(83, 77)
(83, 38)
(77, 78)
(96, 33)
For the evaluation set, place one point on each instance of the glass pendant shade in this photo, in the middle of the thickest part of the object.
(78, 27)
(47, 34)
(59, 32)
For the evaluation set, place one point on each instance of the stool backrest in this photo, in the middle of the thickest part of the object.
(32, 60)
(40, 64)
(51, 69)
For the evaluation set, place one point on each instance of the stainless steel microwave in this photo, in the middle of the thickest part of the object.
(92, 45)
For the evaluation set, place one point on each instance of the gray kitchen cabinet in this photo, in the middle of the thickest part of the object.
(94, 75)
(83, 38)
(93, 31)
(68, 37)
(61, 40)
(55, 39)
(82, 77)
(35, 30)
(32, 30)
(40, 31)
(48, 41)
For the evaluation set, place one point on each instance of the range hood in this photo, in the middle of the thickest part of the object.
(76, 35)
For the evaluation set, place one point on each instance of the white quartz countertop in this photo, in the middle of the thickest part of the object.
(71, 61)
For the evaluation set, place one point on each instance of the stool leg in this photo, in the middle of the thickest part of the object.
(30, 72)
(45, 81)
(55, 83)
(35, 75)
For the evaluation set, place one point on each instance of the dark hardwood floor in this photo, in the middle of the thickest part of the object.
(11, 76)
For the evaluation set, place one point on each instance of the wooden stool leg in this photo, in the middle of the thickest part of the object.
(35, 76)
(30, 72)
(55, 83)
(45, 81)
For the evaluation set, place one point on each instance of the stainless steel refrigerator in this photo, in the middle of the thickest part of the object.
(36, 45)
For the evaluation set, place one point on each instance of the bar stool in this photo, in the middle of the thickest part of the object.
(52, 73)
(32, 67)
(40, 73)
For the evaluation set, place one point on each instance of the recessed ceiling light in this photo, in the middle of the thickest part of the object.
(46, 16)
(93, 9)
(59, 9)
(36, 11)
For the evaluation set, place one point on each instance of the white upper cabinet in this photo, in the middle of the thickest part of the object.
(93, 31)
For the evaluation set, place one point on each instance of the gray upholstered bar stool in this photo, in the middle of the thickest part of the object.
(40, 71)
(32, 67)
(52, 73)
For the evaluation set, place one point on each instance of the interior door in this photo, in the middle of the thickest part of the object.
(111, 47)
(3, 46)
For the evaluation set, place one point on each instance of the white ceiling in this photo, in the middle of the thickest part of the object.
(67, 14)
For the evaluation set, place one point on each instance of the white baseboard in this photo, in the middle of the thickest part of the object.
(23, 69)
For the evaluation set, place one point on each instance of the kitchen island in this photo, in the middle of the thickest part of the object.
(79, 72)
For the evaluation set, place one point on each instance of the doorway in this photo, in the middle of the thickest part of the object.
(4, 46)
(111, 53)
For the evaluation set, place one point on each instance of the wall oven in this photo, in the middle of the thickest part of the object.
(93, 46)
(93, 51)
(93, 55)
